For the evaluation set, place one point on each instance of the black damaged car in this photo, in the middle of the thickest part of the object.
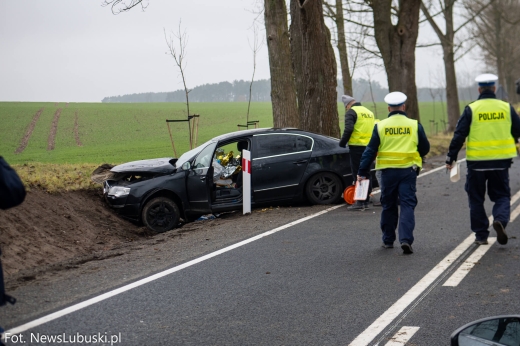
(287, 165)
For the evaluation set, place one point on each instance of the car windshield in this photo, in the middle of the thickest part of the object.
(191, 154)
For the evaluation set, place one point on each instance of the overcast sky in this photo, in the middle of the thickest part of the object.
(78, 51)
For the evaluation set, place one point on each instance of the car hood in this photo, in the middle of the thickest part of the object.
(161, 165)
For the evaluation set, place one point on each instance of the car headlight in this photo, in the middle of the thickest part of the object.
(118, 191)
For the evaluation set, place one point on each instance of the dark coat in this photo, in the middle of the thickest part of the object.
(12, 193)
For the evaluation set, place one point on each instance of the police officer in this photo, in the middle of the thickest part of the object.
(491, 127)
(399, 143)
(359, 124)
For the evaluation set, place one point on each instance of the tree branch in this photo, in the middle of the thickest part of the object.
(434, 25)
(428, 45)
(124, 6)
(474, 16)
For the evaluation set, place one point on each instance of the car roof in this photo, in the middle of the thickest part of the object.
(243, 133)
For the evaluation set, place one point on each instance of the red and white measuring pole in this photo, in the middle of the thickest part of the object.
(246, 181)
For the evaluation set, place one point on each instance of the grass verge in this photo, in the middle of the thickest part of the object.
(57, 177)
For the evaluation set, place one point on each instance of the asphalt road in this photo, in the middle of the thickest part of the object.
(324, 281)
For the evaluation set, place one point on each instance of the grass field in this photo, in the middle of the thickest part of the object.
(116, 133)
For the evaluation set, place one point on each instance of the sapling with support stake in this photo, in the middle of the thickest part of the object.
(179, 54)
(255, 48)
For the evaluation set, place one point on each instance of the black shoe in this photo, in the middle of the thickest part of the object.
(356, 206)
(387, 246)
(501, 232)
(366, 206)
(407, 248)
(481, 242)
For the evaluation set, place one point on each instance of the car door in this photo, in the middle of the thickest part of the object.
(199, 180)
(278, 163)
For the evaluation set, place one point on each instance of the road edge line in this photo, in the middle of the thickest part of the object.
(112, 293)
(402, 336)
(465, 267)
(413, 293)
(468, 264)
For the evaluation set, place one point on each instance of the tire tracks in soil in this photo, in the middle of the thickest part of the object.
(54, 128)
(28, 132)
(76, 131)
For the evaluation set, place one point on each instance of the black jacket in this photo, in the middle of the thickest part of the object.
(12, 191)
(350, 122)
(462, 131)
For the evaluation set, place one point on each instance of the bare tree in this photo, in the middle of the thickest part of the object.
(178, 54)
(119, 6)
(389, 32)
(315, 68)
(369, 75)
(255, 48)
(283, 87)
(447, 42)
(396, 43)
(495, 34)
(335, 12)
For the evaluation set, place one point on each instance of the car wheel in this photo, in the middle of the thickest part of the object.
(324, 188)
(161, 214)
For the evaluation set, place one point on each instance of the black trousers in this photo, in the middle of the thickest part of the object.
(499, 192)
(355, 160)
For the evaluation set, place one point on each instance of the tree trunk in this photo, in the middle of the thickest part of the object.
(342, 49)
(397, 46)
(499, 49)
(283, 88)
(315, 68)
(452, 93)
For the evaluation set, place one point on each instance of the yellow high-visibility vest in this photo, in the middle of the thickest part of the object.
(399, 139)
(490, 131)
(363, 127)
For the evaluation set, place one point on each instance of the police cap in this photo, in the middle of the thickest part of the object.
(395, 99)
(486, 79)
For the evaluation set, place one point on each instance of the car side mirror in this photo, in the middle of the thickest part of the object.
(497, 330)
(186, 166)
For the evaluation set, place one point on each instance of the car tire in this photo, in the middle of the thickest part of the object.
(324, 188)
(161, 214)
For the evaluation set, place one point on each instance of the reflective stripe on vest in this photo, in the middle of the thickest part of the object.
(399, 139)
(363, 127)
(490, 131)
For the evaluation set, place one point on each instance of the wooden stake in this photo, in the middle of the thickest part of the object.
(171, 138)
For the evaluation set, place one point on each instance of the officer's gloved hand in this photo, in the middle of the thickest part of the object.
(449, 161)
(342, 144)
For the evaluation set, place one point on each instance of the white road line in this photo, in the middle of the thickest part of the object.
(468, 264)
(515, 198)
(154, 277)
(389, 315)
(515, 213)
(465, 267)
(438, 169)
(402, 336)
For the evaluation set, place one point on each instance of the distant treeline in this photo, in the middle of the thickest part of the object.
(261, 91)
